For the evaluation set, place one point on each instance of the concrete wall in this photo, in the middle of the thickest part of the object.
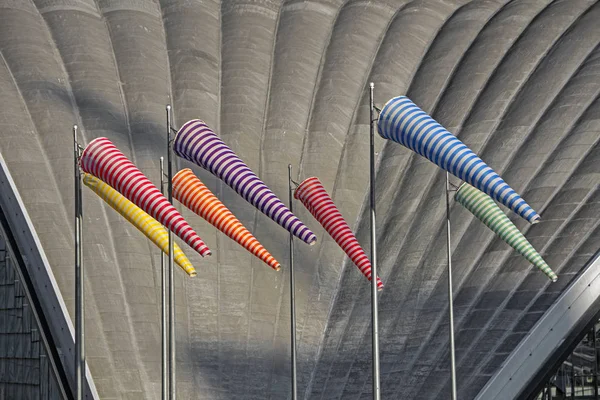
(286, 82)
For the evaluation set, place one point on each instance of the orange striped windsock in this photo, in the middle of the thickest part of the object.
(193, 194)
(314, 197)
(102, 159)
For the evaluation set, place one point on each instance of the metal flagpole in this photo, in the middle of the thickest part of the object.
(374, 312)
(594, 332)
(292, 293)
(163, 304)
(172, 381)
(450, 296)
(79, 289)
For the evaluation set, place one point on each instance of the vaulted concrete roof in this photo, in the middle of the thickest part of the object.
(286, 82)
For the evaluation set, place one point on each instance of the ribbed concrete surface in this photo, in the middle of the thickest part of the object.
(285, 82)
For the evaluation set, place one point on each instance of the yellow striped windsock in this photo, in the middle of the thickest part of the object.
(140, 219)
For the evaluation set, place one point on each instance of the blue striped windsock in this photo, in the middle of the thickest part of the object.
(196, 142)
(404, 122)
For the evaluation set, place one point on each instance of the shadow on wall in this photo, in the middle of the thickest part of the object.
(220, 369)
(101, 117)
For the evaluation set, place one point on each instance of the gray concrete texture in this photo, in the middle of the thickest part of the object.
(286, 82)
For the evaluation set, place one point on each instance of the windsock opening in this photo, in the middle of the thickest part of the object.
(298, 192)
(304, 185)
(458, 189)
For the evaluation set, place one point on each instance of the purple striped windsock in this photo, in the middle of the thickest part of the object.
(196, 142)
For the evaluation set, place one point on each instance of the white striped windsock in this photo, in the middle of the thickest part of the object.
(102, 159)
(404, 122)
(316, 199)
(196, 142)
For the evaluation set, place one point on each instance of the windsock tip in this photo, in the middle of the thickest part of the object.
(554, 278)
(535, 219)
(206, 253)
(192, 273)
(273, 263)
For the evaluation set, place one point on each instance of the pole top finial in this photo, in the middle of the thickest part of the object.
(168, 106)
(75, 126)
(371, 85)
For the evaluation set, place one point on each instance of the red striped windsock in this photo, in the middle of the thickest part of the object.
(102, 159)
(193, 194)
(315, 198)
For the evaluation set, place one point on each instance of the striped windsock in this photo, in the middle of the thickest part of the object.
(197, 143)
(315, 198)
(486, 210)
(193, 194)
(404, 122)
(138, 218)
(103, 160)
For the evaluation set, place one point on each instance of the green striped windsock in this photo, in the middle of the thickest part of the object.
(486, 210)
